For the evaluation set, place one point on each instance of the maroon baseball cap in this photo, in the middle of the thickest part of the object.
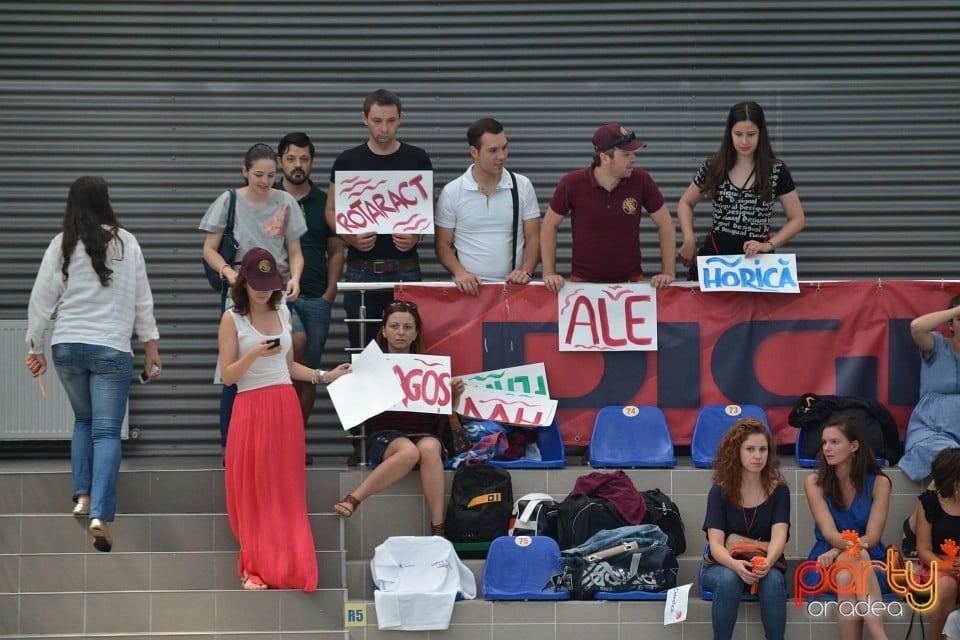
(613, 134)
(260, 270)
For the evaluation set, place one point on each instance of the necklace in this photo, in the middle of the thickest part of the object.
(743, 512)
(749, 525)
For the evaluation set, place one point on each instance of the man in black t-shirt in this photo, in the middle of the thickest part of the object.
(372, 257)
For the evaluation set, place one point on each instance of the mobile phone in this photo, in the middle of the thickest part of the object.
(273, 342)
(144, 378)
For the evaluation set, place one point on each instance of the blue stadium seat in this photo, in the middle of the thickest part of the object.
(551, 452)
(713, 421)
(520, 568)
(550, 444)
(798, 454)
(630, 437)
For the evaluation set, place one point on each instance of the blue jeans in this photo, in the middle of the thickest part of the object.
(97, 382)
(727, 587)
(374, 301)
(311, 315)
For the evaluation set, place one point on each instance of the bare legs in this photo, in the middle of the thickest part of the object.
(851, 627)
(401, 456)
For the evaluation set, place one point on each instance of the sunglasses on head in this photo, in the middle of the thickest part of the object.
(403, 304)
(624, 139)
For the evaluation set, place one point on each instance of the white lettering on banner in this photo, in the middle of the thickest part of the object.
(425, 380)
(765, 272)
(384, 202)
(607, 317)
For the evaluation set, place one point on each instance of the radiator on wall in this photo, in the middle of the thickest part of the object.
(24, 413)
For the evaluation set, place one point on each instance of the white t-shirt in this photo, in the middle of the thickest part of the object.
(417, 580)
(481, 225)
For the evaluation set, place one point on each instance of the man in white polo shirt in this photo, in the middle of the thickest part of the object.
(488, 220)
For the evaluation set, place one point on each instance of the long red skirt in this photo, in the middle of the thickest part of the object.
(266, 489)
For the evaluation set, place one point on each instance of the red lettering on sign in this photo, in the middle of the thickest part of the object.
(636, 320)
(428, 386)
(582, 304)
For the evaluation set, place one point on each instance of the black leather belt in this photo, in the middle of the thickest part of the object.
(383, 266)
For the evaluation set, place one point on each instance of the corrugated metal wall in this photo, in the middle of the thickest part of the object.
(163, 98)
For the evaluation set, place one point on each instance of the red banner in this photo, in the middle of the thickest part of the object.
(843, 338)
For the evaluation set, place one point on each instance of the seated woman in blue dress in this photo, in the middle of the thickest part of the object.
(935, 421)
(849, 493)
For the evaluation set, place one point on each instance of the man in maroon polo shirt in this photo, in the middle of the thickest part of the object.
(604, 202)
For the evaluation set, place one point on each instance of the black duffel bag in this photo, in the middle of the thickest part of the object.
(625, 567)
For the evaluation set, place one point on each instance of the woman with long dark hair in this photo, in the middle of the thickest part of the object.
(93, 277)
(265, 479)
(743, 179)
(850, 493)
(749, 498)
(938, 520)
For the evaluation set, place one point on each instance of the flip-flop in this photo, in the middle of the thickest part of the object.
(347, 506)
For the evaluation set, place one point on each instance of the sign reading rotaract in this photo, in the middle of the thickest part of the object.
(384, 202)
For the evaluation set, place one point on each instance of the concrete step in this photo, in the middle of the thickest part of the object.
(400, 509)
(155, 613)
(164, 532)
(611, 620)
(137, 571)
(149, 491)
(360, 583)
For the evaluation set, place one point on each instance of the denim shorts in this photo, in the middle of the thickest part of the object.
(377, 443)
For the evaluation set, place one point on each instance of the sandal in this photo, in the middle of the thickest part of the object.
(249, 585)
(347, 506)
(438, 530)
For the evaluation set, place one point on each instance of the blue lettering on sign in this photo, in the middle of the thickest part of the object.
(721, 272)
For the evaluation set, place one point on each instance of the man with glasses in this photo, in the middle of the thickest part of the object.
(604, 202)
(322, 263)
(488, 219)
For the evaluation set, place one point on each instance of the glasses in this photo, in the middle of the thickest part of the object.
(403, 304)
(624, 139)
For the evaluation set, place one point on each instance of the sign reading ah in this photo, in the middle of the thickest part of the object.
(765, 272)
(384, 202)
(607, 317)
(527, 378)
(425, 380)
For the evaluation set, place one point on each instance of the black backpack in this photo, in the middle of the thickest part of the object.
(481, 500)
(663, 512)
(580, 516)
(812, 411)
